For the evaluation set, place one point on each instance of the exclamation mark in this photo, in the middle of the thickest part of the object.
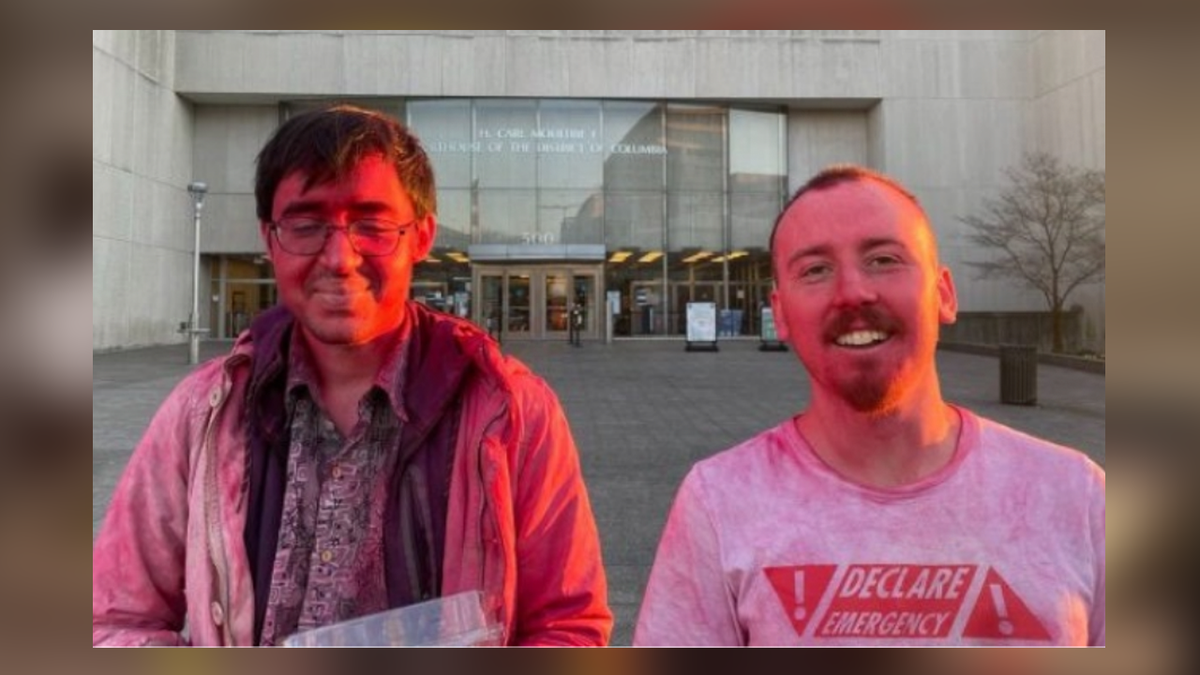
(801, 613)
(1006, 626)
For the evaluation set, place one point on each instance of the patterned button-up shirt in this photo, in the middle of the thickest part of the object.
(329, 562)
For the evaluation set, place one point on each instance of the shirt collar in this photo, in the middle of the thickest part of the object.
(389, 380)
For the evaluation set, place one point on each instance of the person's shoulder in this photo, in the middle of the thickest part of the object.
(1035, 453)
(515, 376)
(755, 451)
(492, 364)
(204, 376)
(436, 326)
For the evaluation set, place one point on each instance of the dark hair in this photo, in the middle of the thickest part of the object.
(327, 144)
(834, 175)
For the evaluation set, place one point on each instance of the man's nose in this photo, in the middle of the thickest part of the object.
(339, 252)
(853, 287)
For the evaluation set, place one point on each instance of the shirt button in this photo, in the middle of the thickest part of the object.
(337, 472)
(327, 556)
(218, 613)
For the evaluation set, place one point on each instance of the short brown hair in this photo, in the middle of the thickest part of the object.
(327, 144)
(839, 174)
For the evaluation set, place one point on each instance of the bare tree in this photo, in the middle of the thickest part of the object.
(1046, 231)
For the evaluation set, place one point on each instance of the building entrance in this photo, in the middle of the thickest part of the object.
(534, 302)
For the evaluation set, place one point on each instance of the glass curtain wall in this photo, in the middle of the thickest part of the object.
(635, 174)
(757, 193)
(695, 208)
(682, 196)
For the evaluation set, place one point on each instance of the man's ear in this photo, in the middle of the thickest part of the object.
(947, 298)
(424, 234)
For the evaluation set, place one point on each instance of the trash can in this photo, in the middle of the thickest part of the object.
(1018, 374)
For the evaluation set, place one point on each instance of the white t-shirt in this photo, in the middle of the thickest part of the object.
(767, 545)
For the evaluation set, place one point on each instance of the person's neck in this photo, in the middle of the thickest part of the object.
(911, 441)
(350, 367)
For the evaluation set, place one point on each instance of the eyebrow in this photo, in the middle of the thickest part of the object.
(825, 249)
(303, 207)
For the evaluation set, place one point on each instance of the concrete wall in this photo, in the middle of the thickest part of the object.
(141, 163)
(1068, 121)
(953, 115)
(818, 138)
(250, 65)
(1068, 96)
(227, 139)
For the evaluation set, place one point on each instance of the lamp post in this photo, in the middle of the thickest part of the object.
(197, 190)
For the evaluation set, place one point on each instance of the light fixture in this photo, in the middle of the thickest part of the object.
(650, 257)
(620, 257)
(697, 257)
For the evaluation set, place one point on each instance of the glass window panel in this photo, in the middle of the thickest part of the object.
(584, 287)
(695, 220)
(693, 278)
(507, 216)
(571, 216)
(569, 145)
(633, 220)
(644, 305)
(444, 128)
(634, 145)
(557, 302)
(753, 216)
(638, 284)
(491, 303)
(454, 219)
(757, 160)
(506, 130)
(520, 303)
(697, 148)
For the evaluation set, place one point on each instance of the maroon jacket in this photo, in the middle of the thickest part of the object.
(519, 525)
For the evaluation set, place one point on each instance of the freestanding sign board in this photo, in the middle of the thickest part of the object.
(770, 337)
(701, 326)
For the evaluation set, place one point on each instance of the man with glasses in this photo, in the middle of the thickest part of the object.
(356, 451)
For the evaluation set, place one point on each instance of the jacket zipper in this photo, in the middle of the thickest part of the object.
(212, 506)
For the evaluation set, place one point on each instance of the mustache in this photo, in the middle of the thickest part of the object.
(868, 318)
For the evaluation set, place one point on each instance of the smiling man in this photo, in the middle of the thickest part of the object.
(881, 515)
(356, 452)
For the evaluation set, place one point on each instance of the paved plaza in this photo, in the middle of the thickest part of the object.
(642, 413)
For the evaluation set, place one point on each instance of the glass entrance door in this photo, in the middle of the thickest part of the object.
(519, 306)
(557, 303)
(535, 302)
(490, 308)
(586, 296)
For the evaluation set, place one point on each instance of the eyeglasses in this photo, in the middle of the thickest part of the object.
(368, 237)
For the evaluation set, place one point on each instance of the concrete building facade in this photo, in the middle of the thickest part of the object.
(644, 167)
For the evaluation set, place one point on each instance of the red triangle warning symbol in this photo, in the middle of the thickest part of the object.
(1001, 615)
(800, 590)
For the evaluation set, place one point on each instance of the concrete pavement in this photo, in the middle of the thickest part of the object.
(642, 413)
